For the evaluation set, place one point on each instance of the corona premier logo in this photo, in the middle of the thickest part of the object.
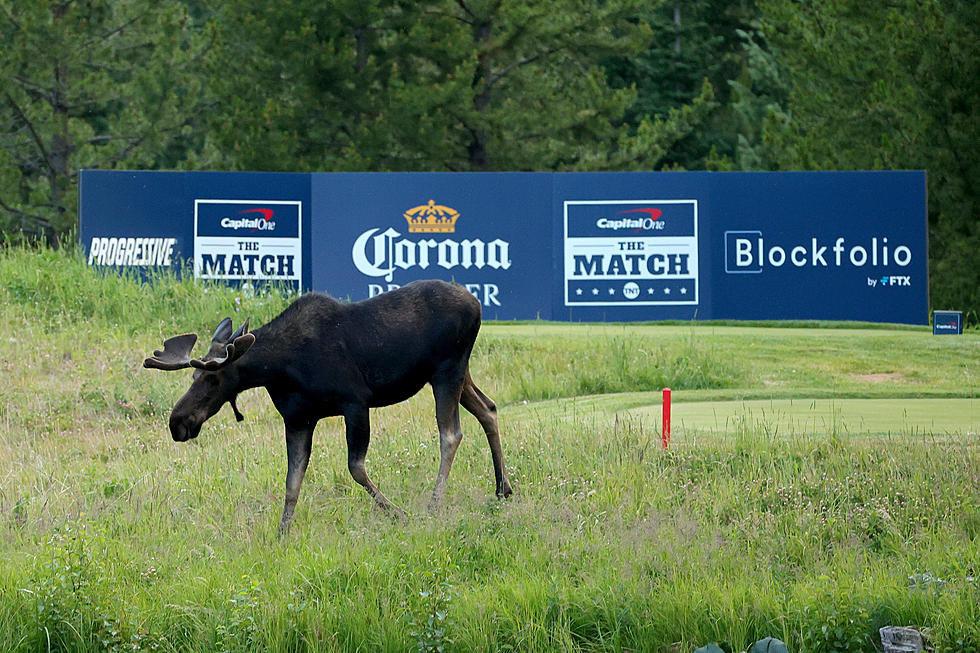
(378, 253)
(431, 218)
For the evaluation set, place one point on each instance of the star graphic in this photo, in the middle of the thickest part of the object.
(666, 291)
(578, 291)
(595, 291)
(612, 291)
(649, 291)
(684, 290)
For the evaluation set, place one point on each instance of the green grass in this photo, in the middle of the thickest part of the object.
(802, 491)
(813, 417)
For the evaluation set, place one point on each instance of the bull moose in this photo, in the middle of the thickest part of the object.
(322, 358)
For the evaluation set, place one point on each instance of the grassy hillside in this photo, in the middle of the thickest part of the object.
(114, 537)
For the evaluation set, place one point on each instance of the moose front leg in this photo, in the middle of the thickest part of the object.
(358, 423)
(299, 441)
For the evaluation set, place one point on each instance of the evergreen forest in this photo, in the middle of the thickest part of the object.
(494, 85)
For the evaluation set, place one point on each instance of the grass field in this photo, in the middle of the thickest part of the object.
(822, 482)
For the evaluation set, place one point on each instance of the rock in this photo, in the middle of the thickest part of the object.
(897, 639)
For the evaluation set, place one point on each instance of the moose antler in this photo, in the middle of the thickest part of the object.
(175, 355)
(225, 348)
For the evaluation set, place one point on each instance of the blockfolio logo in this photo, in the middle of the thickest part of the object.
(630, 252)
(748, 252)
(248, 239)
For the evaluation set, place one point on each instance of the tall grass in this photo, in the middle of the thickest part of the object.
(57, 290)
(538, 369)
(112, 537)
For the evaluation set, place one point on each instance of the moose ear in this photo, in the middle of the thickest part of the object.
(240, 331)
(242, 343)
(223, 333)
(232, 351)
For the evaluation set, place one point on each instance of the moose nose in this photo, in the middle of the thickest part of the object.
(183, 429)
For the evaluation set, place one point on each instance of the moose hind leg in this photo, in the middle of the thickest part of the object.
(485, 411)
(299, 441)
(450, 435)
(358, 425)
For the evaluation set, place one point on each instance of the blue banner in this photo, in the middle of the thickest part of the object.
(630, 253)
(786, 245)
(490, 232)
(237, 227)
(562, 246)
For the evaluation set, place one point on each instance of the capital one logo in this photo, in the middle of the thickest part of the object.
(262, 222)
(636, 220)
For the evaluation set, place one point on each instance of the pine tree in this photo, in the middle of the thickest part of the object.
(697, 45)
(436, 85)
(86, 84)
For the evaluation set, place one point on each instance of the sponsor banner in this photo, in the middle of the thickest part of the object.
(248, 240)
(561, 246)
(630, 252)
(947, 322)
(830, 245)
(490, 232)
(198, 222)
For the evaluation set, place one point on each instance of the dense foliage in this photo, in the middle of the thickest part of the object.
(494, 85)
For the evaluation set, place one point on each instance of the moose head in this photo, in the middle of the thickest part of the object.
(215, 378)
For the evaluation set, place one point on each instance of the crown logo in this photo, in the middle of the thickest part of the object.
(431, 218)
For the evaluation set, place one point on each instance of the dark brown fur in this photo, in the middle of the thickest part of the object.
(321, 358)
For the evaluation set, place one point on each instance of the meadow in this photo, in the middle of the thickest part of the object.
(822, 481)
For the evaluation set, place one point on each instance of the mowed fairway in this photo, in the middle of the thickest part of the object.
(851, 418)
(813, 472)
(815, 417)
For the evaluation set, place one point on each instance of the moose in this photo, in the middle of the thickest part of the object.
(322, 358)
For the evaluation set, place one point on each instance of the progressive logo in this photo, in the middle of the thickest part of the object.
(131, 252)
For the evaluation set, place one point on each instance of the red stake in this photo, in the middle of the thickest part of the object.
(666, 411)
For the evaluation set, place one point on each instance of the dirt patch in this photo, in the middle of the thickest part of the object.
(880, 377)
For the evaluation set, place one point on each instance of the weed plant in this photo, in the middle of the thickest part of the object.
(112, 537)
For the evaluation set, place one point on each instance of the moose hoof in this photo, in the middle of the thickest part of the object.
(392, 511)
(435, 504)
(504, 490)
